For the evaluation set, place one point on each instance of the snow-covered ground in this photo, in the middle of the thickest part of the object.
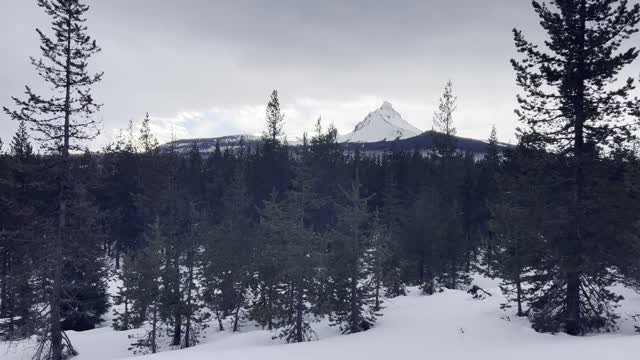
(448, 325)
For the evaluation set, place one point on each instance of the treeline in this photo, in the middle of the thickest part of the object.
(273, 235)
(282, 237)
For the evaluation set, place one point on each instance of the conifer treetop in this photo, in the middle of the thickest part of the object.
(64, 67)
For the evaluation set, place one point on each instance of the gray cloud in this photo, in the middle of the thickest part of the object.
(206, 68)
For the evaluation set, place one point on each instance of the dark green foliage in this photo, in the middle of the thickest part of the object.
(444, 142)
(390, 263)
(20, 146)
(488, 188)
(148, 142)
(269, 168)
(84, 286)
(518, 215)
(20, 188)
(60, 119)
(275, 120)
(118, 193)
(317, 249)
(354, 296)
(127, 318)
(50, 117)
(146, 289)
(572, 104)
(228, 251)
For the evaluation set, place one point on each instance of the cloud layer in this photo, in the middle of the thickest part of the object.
(206, 68)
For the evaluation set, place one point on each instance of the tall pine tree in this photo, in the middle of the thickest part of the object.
(572, 104)
(60, 120)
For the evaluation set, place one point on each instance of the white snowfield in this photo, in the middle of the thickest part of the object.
(383, 124)
(448, 325)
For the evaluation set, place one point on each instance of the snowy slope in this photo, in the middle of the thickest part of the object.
(448, 325)
(209, 144)
(383, 124)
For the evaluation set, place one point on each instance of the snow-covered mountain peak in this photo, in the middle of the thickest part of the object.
(384, 123)
(386, 106)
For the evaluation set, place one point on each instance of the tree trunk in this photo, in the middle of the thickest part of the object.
(421, 265)
(519, 294)
(154, 329)
(291, 300)
(299, 337)
(269, 309)
(219, 317)
(126, 313)
(187, 331)
(54, 303)
(117, 256)
(59, 240)
(177, 313)
(236, 319)
(4, 278)
(353, 321)
(177, 329)
(572, 302)
(454, 273)
(187, 334)
(377, 304)
(429, 287)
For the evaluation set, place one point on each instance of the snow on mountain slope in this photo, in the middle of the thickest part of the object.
(448, 325)
(383, 124)
(209, 144)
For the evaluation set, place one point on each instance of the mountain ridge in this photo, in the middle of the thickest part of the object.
(420, 143)
(383, 129)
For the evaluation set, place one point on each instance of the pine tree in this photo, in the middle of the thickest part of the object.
(353, 296)
(492, 155)
(444, 139)
(472, 216)
(452, 233)
(84, 285)
(147, 289)
(20, 145)
(147, 140)
(572, 104)
(119, 192)
(126, 318)
(60, 120)
(422, 229)
(451, 246)
(490, 167)
(376, 260)
(174, 223)
(299, 254)
(269, 168)
(268, 272)
(21, 222)
(129, 139)
(390, 233)
(518, 215)
(229, 251)
(275, 122)
(192, 290)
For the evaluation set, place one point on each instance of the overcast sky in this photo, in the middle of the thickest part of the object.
(206, 68)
